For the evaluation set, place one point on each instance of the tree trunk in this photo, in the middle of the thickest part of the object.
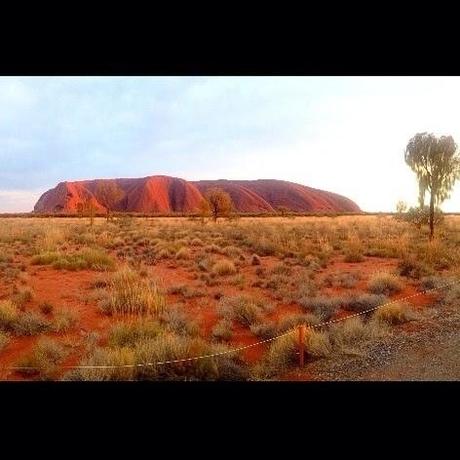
(431, 216)
(108, 214)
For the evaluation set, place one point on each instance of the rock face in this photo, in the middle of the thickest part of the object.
(164, 194)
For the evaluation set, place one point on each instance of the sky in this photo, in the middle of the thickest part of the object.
(342, 134)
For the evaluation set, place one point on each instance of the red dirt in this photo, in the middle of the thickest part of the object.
(63, 290)
(71, 290)
(166, 194)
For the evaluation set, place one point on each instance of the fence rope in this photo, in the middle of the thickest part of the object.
(236, 350)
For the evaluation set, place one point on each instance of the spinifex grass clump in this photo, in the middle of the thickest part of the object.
(130, 294)
(93, 259)
(44, 359)
(395, 313)
(18, 323)
(384, 283)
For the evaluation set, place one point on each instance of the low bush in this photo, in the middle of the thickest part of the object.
(317, 343)
(395, 313)
(264, 330)
(384, 283)
(44, 359)
(224, 267)
(362, 302)
(30, 323)
(223, 330)
(93, 259)
(8, 315)
(64, 320)
(352, 336)
(292, 321)
(22, 297)
(323, 307)
(412, 268)
(241, 309)
(279, 357)
(127, 334)
(178, 322)
(130, 294)
(119, 358)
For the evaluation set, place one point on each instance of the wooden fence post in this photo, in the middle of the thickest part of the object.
(301, 345)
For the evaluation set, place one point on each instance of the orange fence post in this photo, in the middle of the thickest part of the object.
(301, 345)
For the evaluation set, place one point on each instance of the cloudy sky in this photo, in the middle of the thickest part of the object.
(345, 135)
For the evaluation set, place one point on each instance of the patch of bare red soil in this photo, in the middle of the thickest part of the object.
(64, 290)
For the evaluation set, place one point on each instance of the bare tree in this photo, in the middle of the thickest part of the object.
(219, 202)
(108, 193)
(436, 163)
(89, 209)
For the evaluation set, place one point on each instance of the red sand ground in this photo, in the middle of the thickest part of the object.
(72, 289)
(166, 194)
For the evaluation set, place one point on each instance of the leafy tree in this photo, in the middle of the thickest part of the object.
(204, 209)
(436, 163)
(219, 202)
(108, 193)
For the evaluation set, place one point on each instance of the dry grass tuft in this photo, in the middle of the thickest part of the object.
(224, 267)
(385, 283)
(130, 294)
(395, 313)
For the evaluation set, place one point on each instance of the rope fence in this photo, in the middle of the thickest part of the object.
(300, 328)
